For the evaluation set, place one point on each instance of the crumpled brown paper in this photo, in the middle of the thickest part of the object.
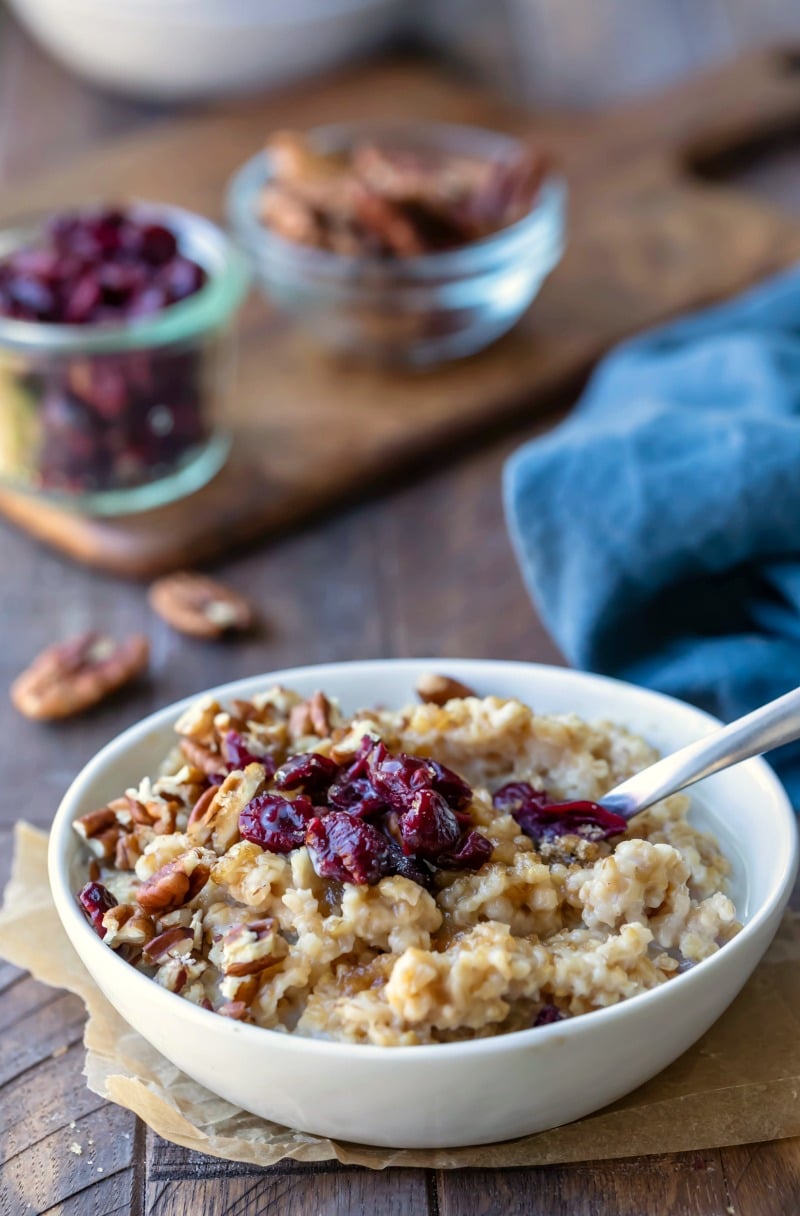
(739, 1084)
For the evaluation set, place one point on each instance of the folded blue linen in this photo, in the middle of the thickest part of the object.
(658, 527)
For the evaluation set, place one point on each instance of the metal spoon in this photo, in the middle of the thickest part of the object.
(770, 726)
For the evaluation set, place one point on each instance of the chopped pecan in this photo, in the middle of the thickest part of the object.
(127, 925)
(389, 223)
(200, 606)
(128, 851)
(104, 844)
(201, 806)
(175, 884)
(311, 717)
(139, 812)
(319, 709)
(202, 757)
(172, 943)
(237, 1010)
(438, 689)
(95, 822)
(219, 823)
(69, 677)
(393, 201)
(197, 722)
(291, 217)
(250, 948)
(300, 720)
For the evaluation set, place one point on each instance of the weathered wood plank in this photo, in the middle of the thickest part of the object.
(689, 1185)
(390, 1193)
(763, 1178)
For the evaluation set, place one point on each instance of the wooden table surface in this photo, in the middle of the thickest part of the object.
(425, 570)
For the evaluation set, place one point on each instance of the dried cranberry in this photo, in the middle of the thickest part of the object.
(100, 265)
(518, 796)
(95, 900)
(451, 786)
(547, 1015)
(429, 828)
(398, 778)
(358, 797)
(309, 772)
(545, 821)
(408, 867)
(157, 244)
(275, 823)
(473, 850)
(238, 753)
(81, 300)
(347, 849)
(180, 279)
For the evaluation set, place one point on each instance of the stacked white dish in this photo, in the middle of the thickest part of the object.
(175, 49)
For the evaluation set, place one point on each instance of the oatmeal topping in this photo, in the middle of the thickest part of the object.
(438, 872)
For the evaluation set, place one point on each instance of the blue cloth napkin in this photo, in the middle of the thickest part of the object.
(658, 528)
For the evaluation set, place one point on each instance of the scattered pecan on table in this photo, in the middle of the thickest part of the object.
(392, 202)
(71, 676)
(200, 606)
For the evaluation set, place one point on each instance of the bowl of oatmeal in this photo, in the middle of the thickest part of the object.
(313, 889)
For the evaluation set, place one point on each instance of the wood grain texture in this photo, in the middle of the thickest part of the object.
(646, 242)
(425, 570)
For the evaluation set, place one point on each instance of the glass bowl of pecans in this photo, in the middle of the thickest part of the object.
(406, 244)
(116, 351)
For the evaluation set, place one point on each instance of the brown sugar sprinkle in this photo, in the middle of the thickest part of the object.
(390, 201)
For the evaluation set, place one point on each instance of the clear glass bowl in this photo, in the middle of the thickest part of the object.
(115, 418)
(417, 310)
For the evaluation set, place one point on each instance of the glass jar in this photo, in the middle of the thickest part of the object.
(412, 311)
(119, 417)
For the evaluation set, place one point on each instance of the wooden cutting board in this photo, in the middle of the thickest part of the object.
(647, 239)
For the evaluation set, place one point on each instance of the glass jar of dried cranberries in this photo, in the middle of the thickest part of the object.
(116, 350)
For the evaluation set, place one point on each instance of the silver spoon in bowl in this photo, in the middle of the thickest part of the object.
(771, 726)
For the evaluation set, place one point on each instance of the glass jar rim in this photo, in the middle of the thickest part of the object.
(199, 238)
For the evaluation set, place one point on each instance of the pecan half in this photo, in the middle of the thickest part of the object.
(71, 676)
(175, 884)
(200, 606)
(438, 689)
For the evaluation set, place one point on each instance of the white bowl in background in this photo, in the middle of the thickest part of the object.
(474, 1092)
(173, 49)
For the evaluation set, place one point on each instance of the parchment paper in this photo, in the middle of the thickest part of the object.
(738, 1085)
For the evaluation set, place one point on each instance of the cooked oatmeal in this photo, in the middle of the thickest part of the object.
(398, 877)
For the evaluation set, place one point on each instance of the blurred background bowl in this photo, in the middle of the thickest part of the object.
(176, 49)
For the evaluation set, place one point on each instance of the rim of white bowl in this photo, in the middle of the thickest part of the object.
(170, 1002)
(221, 16)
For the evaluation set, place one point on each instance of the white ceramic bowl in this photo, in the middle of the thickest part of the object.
(456, 1093)
(176, 49)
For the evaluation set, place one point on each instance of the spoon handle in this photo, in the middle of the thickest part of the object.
(772, 725)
